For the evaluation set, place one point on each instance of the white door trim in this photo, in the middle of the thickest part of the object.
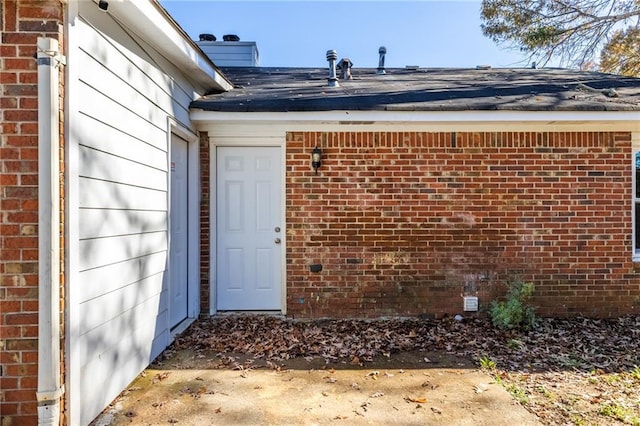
(193, 220)
(214, 143)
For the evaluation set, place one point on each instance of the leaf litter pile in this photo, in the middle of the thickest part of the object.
(566, 371)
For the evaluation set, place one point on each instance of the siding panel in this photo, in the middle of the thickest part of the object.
(110, 222)
(98, 194)
(116, 141)
(99, 281)
(99, 252)
(105, 166)
(124, 96)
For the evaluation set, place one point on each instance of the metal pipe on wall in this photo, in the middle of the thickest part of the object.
(50, 389)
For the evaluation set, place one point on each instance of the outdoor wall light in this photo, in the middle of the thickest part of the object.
(316, 158)
(103, 5)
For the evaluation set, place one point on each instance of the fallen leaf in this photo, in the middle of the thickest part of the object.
(376, 395)
(160, 377)
(418, 400)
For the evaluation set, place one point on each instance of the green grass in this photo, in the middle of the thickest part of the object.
(620, 413)
(487, 363)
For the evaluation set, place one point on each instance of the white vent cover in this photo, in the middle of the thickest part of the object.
(470, 304)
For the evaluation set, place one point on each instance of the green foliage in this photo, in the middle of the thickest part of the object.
(514, 312)
(620, 413)
(575, 32)
(635, 373)
(487, 363)
(621, 53)
(518, 393)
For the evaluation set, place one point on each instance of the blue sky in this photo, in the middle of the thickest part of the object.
(298, 33)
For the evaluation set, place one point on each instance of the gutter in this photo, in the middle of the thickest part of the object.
(50, 389)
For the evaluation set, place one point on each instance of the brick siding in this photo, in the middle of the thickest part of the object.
(407, 223)
(21, 23)
(204, 224)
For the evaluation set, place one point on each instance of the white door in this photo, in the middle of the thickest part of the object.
(178, 214)
(248, 229)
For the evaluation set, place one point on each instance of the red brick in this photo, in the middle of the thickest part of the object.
(10, 409)
(8, 78)
(18, 395)
(50, 10)
(427, 214)
(21, 319)
(20, 115)
(20, 64)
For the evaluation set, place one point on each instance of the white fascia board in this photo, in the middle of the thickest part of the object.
(149, 22)
(545, 120)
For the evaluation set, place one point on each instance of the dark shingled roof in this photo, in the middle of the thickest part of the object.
(260, 89)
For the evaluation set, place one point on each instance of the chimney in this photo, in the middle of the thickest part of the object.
(382, 51)
(332, 55)
(345, 65)
(231, 52)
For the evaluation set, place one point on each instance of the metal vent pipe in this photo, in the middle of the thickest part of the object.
(383, 52)
(332, 56)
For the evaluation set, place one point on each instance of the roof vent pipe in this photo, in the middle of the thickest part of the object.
(382, 51)
(230, 37)
(332, 56)
(207, 37)
(345, 65)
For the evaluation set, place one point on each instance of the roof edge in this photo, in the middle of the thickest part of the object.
(425, 117)
(150, 21)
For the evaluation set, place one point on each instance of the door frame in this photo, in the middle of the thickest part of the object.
(193, 223)
(240, 142)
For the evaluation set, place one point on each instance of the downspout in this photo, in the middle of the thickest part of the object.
(50, 389)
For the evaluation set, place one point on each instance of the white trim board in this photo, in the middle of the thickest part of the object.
(193, 260)
(427, 120)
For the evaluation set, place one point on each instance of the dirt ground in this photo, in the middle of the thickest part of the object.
(261, 369)
(198, 388)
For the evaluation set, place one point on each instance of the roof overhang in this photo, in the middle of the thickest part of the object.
(149, 21)
(436, 120)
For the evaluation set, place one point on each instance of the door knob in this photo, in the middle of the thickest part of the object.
(277, 240)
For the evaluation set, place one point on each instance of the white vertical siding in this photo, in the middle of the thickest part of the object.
(122, 96)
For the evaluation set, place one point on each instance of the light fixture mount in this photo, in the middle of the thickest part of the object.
(316, 159)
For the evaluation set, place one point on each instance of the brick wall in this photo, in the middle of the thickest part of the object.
(405, 223)
(204, 224)
(21, 23)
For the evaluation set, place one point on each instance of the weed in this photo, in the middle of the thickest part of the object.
(545, 392)
(635, 373)
(518, 393)
(514, 312)
(514, 344)
(577, 420)
(611, 379)
(620, 413)
(487, 363)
